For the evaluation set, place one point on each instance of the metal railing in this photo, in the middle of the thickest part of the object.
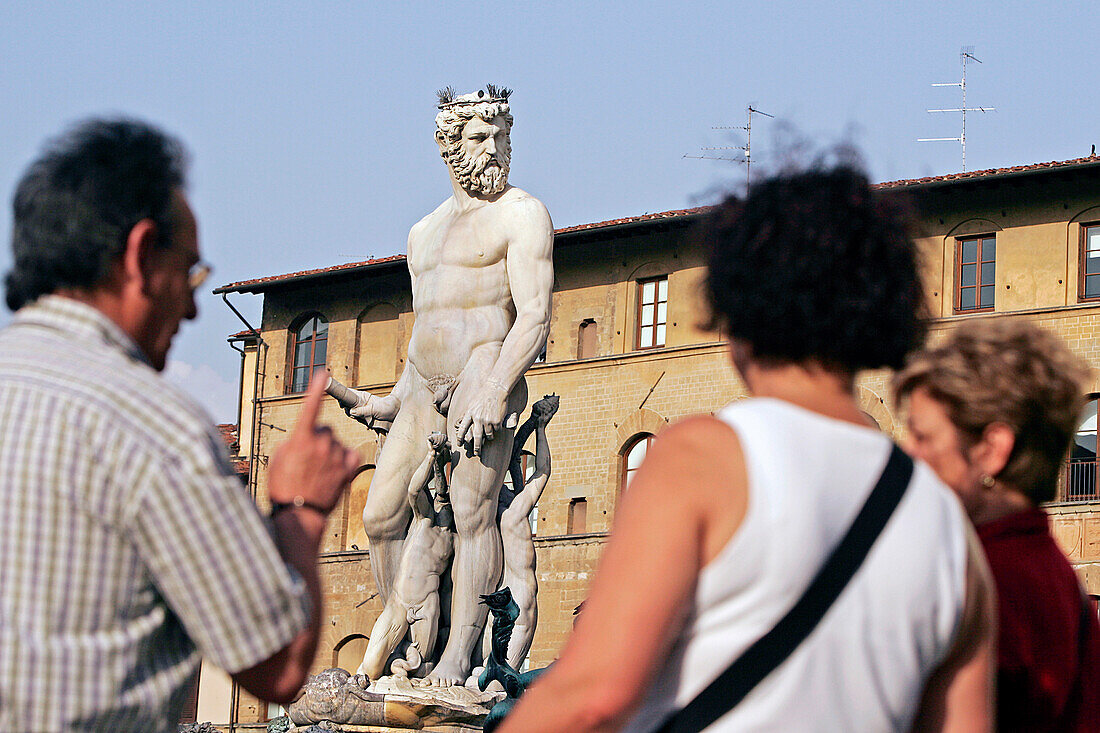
(1079, 481)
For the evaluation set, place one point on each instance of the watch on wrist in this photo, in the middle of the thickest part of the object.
(278, 507)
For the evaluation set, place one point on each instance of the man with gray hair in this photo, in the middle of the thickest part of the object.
(482, 274)
(128, 547)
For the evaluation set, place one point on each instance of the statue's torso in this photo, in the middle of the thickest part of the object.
(461, 293)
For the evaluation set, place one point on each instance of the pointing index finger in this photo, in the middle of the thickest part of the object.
(311, 407)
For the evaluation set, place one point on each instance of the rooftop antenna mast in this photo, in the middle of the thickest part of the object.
(967, 54)
(747, 147)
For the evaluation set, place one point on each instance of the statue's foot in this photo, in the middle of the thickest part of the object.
(447, 674)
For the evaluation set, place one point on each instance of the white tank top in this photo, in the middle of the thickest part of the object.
(863, 668)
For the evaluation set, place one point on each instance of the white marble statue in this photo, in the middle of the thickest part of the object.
(482, 273)
(413, 606)
(515, 529)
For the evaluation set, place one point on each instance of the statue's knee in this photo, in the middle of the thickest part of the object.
(474, 519)
(382, 525)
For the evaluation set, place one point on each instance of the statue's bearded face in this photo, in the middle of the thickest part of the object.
(480, 158)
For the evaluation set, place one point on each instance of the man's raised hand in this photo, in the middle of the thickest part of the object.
(311, 467)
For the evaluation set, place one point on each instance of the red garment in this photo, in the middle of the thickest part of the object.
(1043, 683)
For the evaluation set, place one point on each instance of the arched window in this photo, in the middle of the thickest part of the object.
(378, 346)
(633, 455)
(355, 536)
(349, 651)
(310, 347)
(1081, 475)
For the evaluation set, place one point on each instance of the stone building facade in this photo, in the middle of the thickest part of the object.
(628, 355)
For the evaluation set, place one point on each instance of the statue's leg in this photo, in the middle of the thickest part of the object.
(386, 634)
(386, 513)
(423, 629)
(520, 578)
(475, 486)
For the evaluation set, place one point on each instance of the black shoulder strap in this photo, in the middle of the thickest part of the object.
(770, 650)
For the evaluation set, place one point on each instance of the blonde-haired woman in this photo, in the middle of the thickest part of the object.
(992, 410)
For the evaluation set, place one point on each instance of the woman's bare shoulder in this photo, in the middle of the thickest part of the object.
(698, 463)
(700, 445)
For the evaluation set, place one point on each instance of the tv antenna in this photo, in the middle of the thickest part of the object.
(747, 147)
(967, 54)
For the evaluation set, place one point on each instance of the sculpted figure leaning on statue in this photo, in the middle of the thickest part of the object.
(482, 273)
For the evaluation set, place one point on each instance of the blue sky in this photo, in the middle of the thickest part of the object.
(310, 125)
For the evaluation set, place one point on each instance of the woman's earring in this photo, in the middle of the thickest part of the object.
(988, 481)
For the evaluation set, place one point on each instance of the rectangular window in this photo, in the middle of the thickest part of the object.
(975, 273)
(190, 713)
(310, 348)
(1090, 261)
(578, 516)
(652, 312)
(587, 341)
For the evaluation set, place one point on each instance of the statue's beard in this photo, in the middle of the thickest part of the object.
(485, 175)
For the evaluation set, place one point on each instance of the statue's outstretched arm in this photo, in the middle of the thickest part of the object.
(541, 413)
(419, 498)
(373, 411)
(515, 466)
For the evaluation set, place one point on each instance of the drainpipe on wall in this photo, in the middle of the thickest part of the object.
(261, 345)
(253, 448)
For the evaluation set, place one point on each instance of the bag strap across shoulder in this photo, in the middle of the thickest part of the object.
(770, 650)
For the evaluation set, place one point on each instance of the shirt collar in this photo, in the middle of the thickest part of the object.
(1028, 521)
(80, 321)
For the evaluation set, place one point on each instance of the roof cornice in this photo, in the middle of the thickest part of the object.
(675, 216)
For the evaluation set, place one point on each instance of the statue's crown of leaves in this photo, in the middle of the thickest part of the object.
(492, 93)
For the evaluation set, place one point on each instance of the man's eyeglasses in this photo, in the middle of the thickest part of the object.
(197, 275)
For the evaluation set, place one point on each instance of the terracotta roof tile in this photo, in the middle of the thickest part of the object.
(228, 431)
(305, 273)
(229, 436)
(633, 219)
(242, 334)
(990, 172)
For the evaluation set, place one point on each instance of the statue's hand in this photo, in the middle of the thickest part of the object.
(484, 415)
(370, 409)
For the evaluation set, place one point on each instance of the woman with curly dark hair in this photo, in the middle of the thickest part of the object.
(733, 519)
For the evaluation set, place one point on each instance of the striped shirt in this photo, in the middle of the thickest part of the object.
(127, 546)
